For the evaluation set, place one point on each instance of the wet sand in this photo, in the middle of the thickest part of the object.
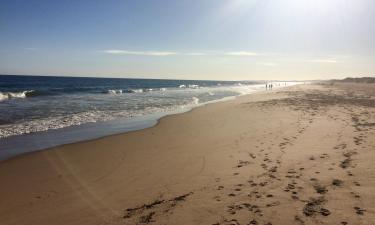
(300, 155)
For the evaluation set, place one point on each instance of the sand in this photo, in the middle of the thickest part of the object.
(300, 155)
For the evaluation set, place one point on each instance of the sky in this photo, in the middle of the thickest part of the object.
(186, 39)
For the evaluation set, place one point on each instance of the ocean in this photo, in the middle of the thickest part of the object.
(37, 112)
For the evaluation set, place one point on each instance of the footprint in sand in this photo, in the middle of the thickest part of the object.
(356, 195)
(272, 204)
(252, 183)
(345, 163)
(314, 206)
(289, 187)
(337, 182)
(359, 210)
(320, 189)
(242, 163)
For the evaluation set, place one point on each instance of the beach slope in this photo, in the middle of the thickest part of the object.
(299, 155)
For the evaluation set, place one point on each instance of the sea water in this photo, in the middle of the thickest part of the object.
(38, 112)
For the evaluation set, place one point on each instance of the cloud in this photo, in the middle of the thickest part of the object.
(145, 53)
(242, 53)
(270, 64)
(170, 53)
(195, 53)
(31, 49)
(324, 61)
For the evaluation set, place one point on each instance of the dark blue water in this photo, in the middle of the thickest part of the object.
(43, 85)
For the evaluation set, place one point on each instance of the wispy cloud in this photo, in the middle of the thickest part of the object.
(270, 64)
(31, 49)
(242, 53)
(195, 53)
(324, 61)
(145, 53)
(170, 53)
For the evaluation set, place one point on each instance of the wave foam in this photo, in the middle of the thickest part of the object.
(134, 91)
(195, 100)
(8, 95)
(53, 123)
(113, 92)
(194, 86)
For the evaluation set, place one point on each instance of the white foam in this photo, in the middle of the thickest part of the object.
(195, 100)
(118, 91)
(3, 96)
(193, 86)
(54, 123)
(58, 122)
(8, 95)
(135, 90)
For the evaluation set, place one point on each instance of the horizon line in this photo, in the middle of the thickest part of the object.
(99, 77)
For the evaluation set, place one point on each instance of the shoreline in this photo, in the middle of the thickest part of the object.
(301, 155)
(144, 122)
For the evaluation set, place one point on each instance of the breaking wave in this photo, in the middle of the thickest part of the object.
(22, 94)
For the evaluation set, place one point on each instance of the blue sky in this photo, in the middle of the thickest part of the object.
(185, 39)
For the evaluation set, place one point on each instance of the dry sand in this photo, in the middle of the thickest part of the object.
(301, 155)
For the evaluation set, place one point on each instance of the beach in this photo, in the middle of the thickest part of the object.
(298, 155)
